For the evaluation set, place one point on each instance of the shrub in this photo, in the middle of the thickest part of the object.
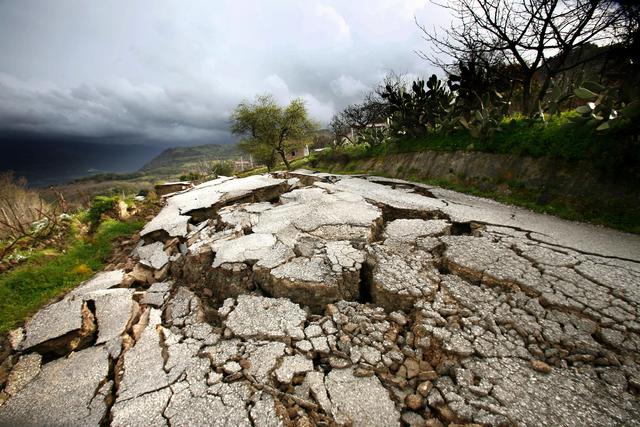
(191, 176)
(224, 168)
(101, 205)
(82, 270)
(417, 110)
(605, 109)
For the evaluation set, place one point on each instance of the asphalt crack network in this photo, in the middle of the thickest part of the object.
(312, 299)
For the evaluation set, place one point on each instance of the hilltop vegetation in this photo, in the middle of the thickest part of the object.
(182, 160)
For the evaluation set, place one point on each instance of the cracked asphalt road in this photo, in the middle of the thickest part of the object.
(313, 299)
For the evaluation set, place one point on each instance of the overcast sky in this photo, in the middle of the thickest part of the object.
(171, 71)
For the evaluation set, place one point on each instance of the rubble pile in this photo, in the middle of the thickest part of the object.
(307, 299)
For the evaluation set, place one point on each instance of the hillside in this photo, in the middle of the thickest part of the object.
(178, 160)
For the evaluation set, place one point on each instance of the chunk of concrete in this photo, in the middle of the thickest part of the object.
(396, 201)
(411, 229)
(146, 409)
(264, 413)
(115, 309)
(103, 280)
(243, 249)
(169, 221)
(263, 357)
(153, 255)
(399, 279)
(59, 320)
(27, 368)
(360, 401)
(292, 366)
(64, 393)
(143, 367)
(266, 318)
(315, 380)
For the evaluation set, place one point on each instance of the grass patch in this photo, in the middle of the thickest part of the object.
(48, 274)
(558, 137)
(295, 164)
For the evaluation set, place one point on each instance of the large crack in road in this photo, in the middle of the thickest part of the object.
(314, 299)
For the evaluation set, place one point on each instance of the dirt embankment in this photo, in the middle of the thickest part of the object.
(487, 171)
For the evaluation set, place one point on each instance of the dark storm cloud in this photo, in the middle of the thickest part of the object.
(171, 72)
(117, 110)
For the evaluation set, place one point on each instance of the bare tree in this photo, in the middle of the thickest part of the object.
(535, 37)
(340, 128)
(24, 214)
(358, 117)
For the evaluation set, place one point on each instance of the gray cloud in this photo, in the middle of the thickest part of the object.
(172, 71)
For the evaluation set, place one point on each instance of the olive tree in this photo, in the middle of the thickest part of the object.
(267, 129)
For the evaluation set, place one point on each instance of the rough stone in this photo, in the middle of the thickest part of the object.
(413, 401)
(540, 366)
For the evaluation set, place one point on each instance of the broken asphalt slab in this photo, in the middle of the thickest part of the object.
(317, 299)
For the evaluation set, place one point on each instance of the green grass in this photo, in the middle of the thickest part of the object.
(295, 164)
(558, 137)
(48, 274)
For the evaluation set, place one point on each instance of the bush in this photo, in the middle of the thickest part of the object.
(101, 205)
(416, 110)
(224, 168)
(25, 217)
(191, 176)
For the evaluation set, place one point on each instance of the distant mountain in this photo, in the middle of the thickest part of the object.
(173, 161)
(49, 161)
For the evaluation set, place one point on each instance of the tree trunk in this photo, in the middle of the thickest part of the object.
(544, 88)
(284, 159)
(526, 97)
